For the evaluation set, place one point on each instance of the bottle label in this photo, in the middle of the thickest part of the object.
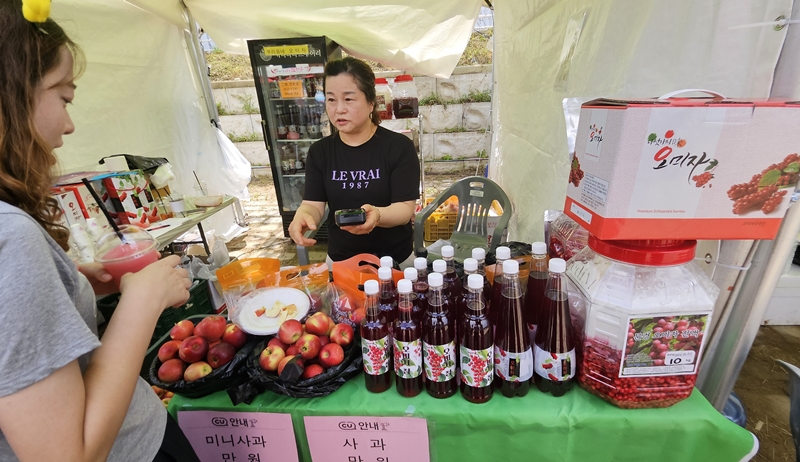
(477, 366)
(440, 361)
(663, 345)
(513, 367)
(281, 129)
(408, 359)
(375, 354)
(380, 101)
(558, 367)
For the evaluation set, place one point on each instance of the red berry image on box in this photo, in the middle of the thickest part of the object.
(764, 191)
(575, 172)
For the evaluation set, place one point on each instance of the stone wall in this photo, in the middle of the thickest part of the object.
(454, 135)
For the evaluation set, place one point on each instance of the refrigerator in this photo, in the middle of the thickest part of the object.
(288, 75)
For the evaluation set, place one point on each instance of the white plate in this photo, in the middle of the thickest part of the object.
(266, 298)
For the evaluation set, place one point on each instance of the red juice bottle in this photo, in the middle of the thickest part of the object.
(502, 253)
(438, 343)
(479, 254)
(440, 267)
(418, 294)
(421, 265)
(537, 280)
(452, 282)
(407, 343)
(375, 343)
(512, 351)
(477, 345)
(388, 297)
(554, 351)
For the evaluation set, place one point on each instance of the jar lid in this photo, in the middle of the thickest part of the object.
(381, 80)
(404, 78)
(650, 252)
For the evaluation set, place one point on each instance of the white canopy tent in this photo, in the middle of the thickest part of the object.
(141, 93)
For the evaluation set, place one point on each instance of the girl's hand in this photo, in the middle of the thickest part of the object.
(99, 278)
(161, 283)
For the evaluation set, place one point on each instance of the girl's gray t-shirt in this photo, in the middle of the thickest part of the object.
(48, 318)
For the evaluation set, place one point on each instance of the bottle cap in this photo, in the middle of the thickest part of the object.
(503, 253)
(475, 281)
(435, 280)
(404, 78)
(539, 248)
(511, 267)
(381, 80)
(479, 253)
(653, 252)
(384, 273)
(411, 274)
(470, 264)
(557, 265)
(371, 287)
(448, 251)
(404, 286)
(421, 263)
(439, 266)
(387, 261)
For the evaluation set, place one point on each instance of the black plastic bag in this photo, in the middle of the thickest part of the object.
(518, 249)
(228, 376)
(145, 164)
(320, 385)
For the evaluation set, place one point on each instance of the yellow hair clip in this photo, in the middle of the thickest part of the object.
(36, 11)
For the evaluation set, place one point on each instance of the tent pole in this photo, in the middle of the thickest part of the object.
(722, 367)
(201, 67)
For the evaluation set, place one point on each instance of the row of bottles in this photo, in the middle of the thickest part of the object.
(439, 332)
(300, 121)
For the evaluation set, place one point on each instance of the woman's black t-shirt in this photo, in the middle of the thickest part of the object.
(380, 172)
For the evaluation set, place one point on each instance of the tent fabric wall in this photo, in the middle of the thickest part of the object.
(625, 50)
(422, 37)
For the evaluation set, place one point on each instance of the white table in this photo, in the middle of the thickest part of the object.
(166, 231)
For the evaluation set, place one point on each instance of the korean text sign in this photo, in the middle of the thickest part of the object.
(367, 439)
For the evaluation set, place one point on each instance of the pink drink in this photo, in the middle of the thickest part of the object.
(129, 257)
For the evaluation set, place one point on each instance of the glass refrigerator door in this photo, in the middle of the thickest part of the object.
(295, 107)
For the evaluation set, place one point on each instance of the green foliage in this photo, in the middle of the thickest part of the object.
(476, 97)
(446, 157)
(245, 138)
(456, 129)
(477, 52)
(221, 109)
(247, 104)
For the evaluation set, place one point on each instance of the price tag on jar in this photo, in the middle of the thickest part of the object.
(291, 88)
(368, 439)
(676, 358)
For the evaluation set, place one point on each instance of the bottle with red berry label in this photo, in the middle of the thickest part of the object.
(554, 358)
(479, 254)
(388, 296)
(537, 281)
(438, 343)
(513, 357)
(477, 345)
(376, 345)
(407, 344)
(417, 295)
(502, 253)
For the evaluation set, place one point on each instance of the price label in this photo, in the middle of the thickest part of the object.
(291, 88)
(368, 439)
(219, 436)
(677, 358)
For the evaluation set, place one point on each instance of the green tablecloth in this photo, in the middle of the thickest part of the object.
(538, 427)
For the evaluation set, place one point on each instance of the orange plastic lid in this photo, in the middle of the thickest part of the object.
(381, 80)
(404, 78)
(647, 252)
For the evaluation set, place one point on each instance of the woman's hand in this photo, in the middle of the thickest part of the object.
(301, 223)
(161, 283)
(373, 219)
(99, 278)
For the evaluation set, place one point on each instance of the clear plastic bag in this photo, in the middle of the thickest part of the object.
(342, 307)
(228, 172)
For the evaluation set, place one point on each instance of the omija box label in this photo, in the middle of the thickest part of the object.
(669, 345)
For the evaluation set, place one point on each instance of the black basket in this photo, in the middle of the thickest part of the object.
(228, 376)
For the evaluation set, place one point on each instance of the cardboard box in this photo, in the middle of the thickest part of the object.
(68, 202)
(684, 168)
(127, 195)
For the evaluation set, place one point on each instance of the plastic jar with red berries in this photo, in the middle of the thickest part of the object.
(640, 310)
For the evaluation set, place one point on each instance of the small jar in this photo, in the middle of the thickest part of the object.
(383, 98)
(404, 97)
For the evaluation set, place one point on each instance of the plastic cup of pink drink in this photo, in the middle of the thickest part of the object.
(134, 251)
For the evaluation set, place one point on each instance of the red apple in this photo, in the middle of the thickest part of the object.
(330, 328)
(308, 346)
(182, 330)
(331, 355)
(342, 334)
(169, 350)
(292, 351)
(235, 336)
(318, 324)
(171, 371)
(196, 370)
(286, 360)
(324, 340)
(271, 357)
(275, 341)
(211, 328)
(220, 354)
(290, 331)
(312, 371)
(193, 349)
(211, 344)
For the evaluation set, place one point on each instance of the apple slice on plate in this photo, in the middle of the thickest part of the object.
(262, 311)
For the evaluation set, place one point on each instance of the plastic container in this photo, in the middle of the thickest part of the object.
(640, 310)
(383, 98)
(566, 238)
(134, 251)
(405, 103)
